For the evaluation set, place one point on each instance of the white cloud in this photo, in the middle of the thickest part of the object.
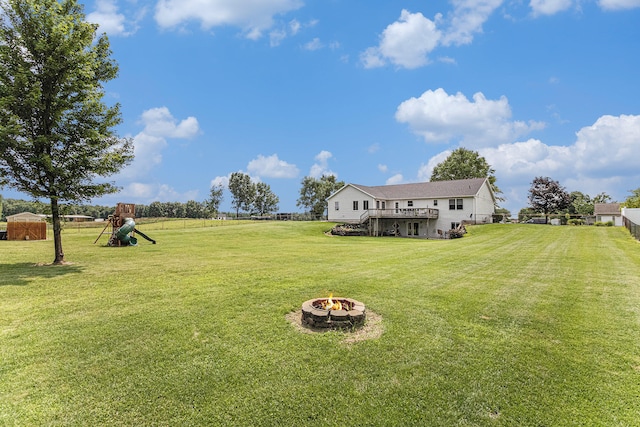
(383, 168)
(314, 44)
(148, 145)
(440, 117)
(252, 16)
(222, 181)
(467, 19)
(111, 21)
(610, 145)
(160, 122)
(294, 26)
(157, 192)
(321, 167)
(405, 43)
(549, 7)
(618, 4)
(395, 179)
(271, 167)
(424, 173)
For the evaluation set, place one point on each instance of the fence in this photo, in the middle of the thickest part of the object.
(633, 228)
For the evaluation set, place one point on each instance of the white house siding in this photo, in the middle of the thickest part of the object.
(485, 207)
(477, 207)
(448, 216)
(345, 198)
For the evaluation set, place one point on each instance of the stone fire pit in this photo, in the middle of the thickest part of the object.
(333, 313)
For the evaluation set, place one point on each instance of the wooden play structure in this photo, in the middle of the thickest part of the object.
(26, 226)
(122, 224)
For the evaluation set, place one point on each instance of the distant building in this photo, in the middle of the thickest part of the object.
(605, 212)
(425, 209)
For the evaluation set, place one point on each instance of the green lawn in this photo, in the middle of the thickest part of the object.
(514, 325)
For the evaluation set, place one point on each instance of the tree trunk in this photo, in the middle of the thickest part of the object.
(57, 232)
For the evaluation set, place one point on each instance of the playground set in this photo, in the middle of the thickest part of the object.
(123, 227)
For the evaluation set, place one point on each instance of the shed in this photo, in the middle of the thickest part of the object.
(606, 212)
(26, 226)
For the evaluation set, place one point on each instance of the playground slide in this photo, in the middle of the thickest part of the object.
(123, 232)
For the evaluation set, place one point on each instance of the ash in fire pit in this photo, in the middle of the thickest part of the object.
(333, 313)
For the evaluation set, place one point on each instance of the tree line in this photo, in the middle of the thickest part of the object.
(249, 198)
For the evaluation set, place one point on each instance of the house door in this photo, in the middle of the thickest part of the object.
(416, 228)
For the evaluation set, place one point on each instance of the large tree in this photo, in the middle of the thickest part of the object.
(243, 192)
(465, 164)
(315, 192)
(265, 200)
(216, 194)
(548, 196)
(56, 134)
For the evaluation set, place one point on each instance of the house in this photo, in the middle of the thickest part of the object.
(606, 212)
(425, 209)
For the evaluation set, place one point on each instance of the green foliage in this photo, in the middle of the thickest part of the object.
(315, 192)
(633, 201)
(251, 197)
(216, 194)
(575, 221)
(604, 224)
(465, 164)
(56, 135)
(265, 201)
(243, 192)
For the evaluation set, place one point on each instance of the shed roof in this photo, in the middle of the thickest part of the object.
(24, 216)
(425, 190)
(607, 209)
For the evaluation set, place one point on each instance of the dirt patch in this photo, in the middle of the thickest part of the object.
(372, 328)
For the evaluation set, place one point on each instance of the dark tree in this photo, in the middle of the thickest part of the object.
(243, 192)
(465, 164)
(548, 196)
(56, 135)
(315, 192)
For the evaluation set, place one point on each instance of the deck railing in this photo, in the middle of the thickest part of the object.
(400, 213)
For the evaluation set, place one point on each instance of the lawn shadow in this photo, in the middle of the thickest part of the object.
(21, 273)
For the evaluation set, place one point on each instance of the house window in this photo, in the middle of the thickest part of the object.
(377, 204)
(435, 202)
(409, 229)
(455, 204)
(455, 225)
(410, 203)
(397, 206)
(337, 207)
(355, 205)
(365, 205)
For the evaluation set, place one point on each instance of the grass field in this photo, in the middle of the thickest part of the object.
(513, 325)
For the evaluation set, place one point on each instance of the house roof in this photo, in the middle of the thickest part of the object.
(607, 209)
(424, 190)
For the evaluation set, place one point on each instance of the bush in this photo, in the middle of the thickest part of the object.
(604, 224)
(575, 221)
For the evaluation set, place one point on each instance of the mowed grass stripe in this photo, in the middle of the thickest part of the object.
(511, 325)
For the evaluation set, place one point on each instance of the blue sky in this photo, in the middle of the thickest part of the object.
(374, 92)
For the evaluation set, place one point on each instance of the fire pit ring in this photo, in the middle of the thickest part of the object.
(333, 313)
